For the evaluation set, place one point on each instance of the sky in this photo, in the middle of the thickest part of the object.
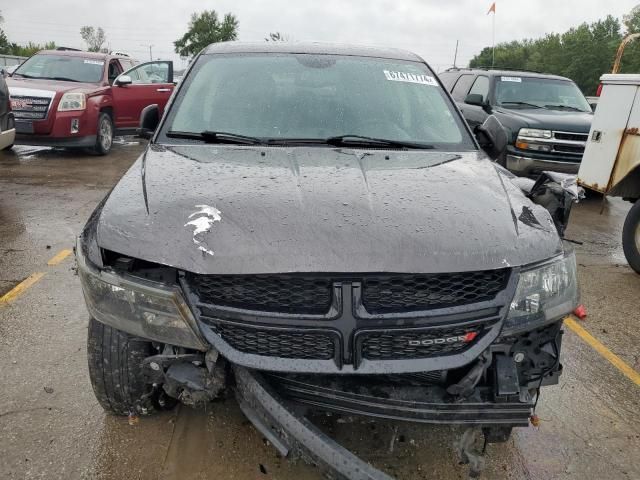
(427, 27)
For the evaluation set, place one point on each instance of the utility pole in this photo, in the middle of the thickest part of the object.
(150, 47)
(455, 55)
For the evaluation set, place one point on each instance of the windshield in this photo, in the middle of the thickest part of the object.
(296, 96)
(62, 67)
(531, 92)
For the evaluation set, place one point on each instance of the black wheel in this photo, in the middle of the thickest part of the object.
(115, 369)
(7, 148)
(104, 136)
(631, 237)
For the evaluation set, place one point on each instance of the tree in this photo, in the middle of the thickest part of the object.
(582, 53)
(205, 29)
(4, 41)
(94, 38)
(277, 37)
(631, 20)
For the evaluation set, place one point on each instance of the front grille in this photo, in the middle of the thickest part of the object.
(278, 343)
(573, 149)
(30, 108)
(400, 293)
(574, 137)
(268, 293)
(407, 344)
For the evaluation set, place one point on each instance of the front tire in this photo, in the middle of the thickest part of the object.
(631, 237)
(104, 135)
(115, 369)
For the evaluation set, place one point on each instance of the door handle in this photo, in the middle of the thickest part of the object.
(163, 90)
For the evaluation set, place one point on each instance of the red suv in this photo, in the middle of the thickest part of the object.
(71, 98)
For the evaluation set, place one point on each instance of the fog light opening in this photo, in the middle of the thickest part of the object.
(75, 125)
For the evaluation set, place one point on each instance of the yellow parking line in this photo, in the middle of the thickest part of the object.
(16, 291)
(59, 257)
(616, 361)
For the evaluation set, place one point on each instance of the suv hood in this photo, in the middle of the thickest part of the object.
(51, 85)
(237, 210)
(579, 122)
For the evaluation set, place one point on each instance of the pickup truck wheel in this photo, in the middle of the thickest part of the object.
(115, 370)
(631, 237)
(104, 137)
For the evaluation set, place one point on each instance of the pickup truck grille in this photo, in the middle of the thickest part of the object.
(312, 294)
(569, 143)
(30, 108)
(575, 137)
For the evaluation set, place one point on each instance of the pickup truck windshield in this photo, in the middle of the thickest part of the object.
(62, 67)
(315, 98)
(532, 92)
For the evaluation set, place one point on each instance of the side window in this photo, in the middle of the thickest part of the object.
(154, 72)
(114, 71)
(481, 87)
(462, 87)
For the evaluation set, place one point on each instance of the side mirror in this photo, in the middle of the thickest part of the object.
(123, 80)
(474, 99)
(149, 120)
(492, 137)
(477, 100)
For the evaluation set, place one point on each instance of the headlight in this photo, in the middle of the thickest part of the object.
(146, 309)
(527, 139)
(534, 133)
(544, 294)
(72, 101)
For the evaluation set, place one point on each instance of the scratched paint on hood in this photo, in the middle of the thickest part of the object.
(203, 220)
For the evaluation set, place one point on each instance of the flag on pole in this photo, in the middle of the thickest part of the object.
(492, 8)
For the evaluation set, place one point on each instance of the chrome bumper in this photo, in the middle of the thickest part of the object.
(527, 166)
(7, 138)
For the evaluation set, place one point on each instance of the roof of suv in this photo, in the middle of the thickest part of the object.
(511, 73)
(311, 48)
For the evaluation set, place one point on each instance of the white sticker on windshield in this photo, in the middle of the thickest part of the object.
(410, 78)
(511, 79)
(94, 62)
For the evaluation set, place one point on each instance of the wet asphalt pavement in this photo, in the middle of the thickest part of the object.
(52, 427)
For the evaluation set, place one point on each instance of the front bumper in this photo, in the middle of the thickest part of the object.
(47, 141)
(533, 167)
(7, 138)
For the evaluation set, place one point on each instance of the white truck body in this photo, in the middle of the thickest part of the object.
(611, 162)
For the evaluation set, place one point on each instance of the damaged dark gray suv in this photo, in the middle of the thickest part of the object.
(316, 226)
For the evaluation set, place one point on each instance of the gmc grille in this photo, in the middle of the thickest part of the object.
(30, 108)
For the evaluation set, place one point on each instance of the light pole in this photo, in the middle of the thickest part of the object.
(150, 47)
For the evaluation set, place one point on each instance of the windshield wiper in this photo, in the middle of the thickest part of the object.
(62, 79)
(521, 103)
(568, 107)
(360, 140)
(209, 136)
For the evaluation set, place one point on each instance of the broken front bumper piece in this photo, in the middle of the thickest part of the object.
(295, 436)
(265, 400)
